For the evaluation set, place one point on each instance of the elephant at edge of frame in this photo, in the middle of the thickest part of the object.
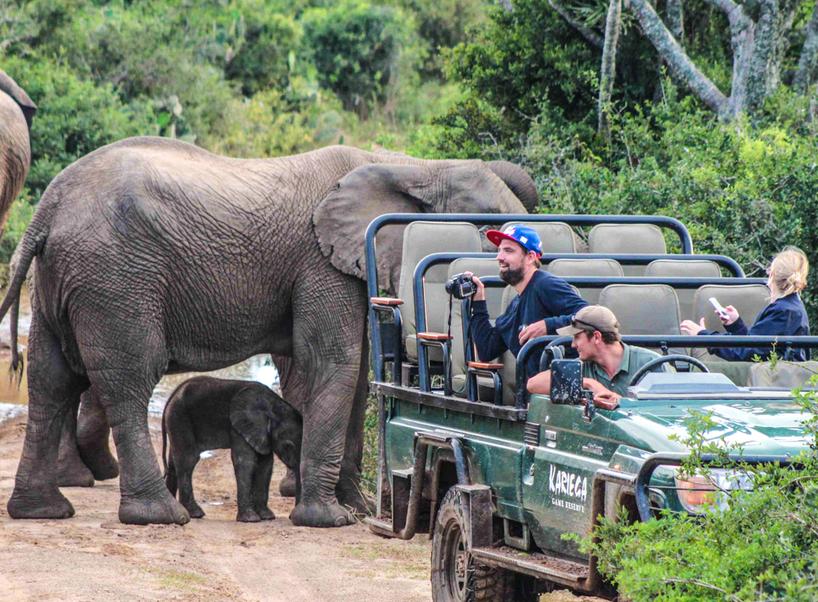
(156, 257)
(16, 113)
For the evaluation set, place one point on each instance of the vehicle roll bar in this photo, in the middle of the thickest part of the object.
(663, 342)
(587, 281)
(642, 484)
(481, 219)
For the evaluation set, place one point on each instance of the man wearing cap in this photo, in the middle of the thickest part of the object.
(608, 363)
(544, 302)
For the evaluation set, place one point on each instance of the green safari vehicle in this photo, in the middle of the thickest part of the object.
(497, 485)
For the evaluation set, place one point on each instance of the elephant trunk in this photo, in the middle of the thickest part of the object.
(518, 181)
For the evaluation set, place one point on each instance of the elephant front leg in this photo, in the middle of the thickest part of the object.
(348, 490)
(261, 486)
(244, 465)
(325, 425)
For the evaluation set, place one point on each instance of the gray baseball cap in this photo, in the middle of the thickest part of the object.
(591, 319)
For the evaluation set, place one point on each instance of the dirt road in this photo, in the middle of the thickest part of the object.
(92, 556)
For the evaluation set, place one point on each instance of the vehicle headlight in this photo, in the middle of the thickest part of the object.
(699, 493)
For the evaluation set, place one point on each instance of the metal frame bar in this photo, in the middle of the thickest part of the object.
(642, 484)
(586, 281)
(663, 342)
(488, 219)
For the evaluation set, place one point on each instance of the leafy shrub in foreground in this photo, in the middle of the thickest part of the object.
(763, 547)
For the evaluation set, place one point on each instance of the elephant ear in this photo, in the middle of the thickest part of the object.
(10, 87)
(250, 416)
(363, 194)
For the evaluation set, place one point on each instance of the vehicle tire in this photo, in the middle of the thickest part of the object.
(456, 577)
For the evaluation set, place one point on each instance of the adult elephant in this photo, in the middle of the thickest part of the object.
(16, 112)
(155, 257)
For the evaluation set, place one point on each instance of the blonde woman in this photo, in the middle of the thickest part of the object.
(784, 316)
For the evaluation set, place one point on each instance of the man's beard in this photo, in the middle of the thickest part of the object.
(512, 277)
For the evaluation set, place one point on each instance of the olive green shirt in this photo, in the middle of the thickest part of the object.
(633, 358)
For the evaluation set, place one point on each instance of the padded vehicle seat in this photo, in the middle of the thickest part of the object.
(497, 300)
(556, 237)
(643, 308)
(568, 267)
(419, 240)
(748, 299)
(627, 238)
(675, 268)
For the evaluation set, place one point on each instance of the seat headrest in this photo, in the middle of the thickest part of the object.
(567, 267)
(748, 299)
(676, 268)
(643, 308)
(626, 238)
(556, 237)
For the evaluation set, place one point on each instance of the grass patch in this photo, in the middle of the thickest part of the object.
(181, 579)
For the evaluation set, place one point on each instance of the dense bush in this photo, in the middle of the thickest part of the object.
(763, 546)
(356, 48)
(743, 190)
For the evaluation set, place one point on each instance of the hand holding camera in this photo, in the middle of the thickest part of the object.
(461, 286)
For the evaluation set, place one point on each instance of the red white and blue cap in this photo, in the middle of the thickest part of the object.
(522, 235)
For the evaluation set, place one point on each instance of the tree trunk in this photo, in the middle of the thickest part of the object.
(608, 69)
(808, 62)
(674, 17)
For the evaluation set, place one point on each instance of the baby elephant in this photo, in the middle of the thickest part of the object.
(206, 413)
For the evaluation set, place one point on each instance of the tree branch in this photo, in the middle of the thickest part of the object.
(591, 36)
(608, 69)
(674, 55)
(728, 6)
(674, 15)
(808, 62)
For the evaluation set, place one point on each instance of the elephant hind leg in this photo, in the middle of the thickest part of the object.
(92, 439)
(123, 366)
(54, 391)
(71, 471)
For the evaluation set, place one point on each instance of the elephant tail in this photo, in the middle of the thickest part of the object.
(165, 441)
(29, 247)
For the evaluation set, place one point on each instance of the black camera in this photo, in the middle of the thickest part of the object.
(461, 286)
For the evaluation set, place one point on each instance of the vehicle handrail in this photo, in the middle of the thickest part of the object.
(663, 342)
(674, 282)
(587, 281)
(642, 484)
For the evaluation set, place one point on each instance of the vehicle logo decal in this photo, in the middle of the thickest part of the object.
(567, 483)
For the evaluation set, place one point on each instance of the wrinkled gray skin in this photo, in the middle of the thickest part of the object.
(155, 257)
(206, 413)
(16, 112)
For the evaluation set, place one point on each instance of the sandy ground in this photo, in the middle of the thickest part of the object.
(92, 556)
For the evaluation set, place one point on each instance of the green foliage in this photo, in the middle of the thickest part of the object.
(443, 24)
(762, 546)
(356, 48)
(744, 190)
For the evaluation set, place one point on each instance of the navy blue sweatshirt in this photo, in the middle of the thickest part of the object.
(545, 297)
(784, 317)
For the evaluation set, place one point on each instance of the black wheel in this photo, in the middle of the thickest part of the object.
(456, 577)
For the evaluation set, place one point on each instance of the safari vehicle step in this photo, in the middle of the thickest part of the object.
(535, 564)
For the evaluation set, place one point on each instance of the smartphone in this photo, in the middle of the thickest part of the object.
(719, 309)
